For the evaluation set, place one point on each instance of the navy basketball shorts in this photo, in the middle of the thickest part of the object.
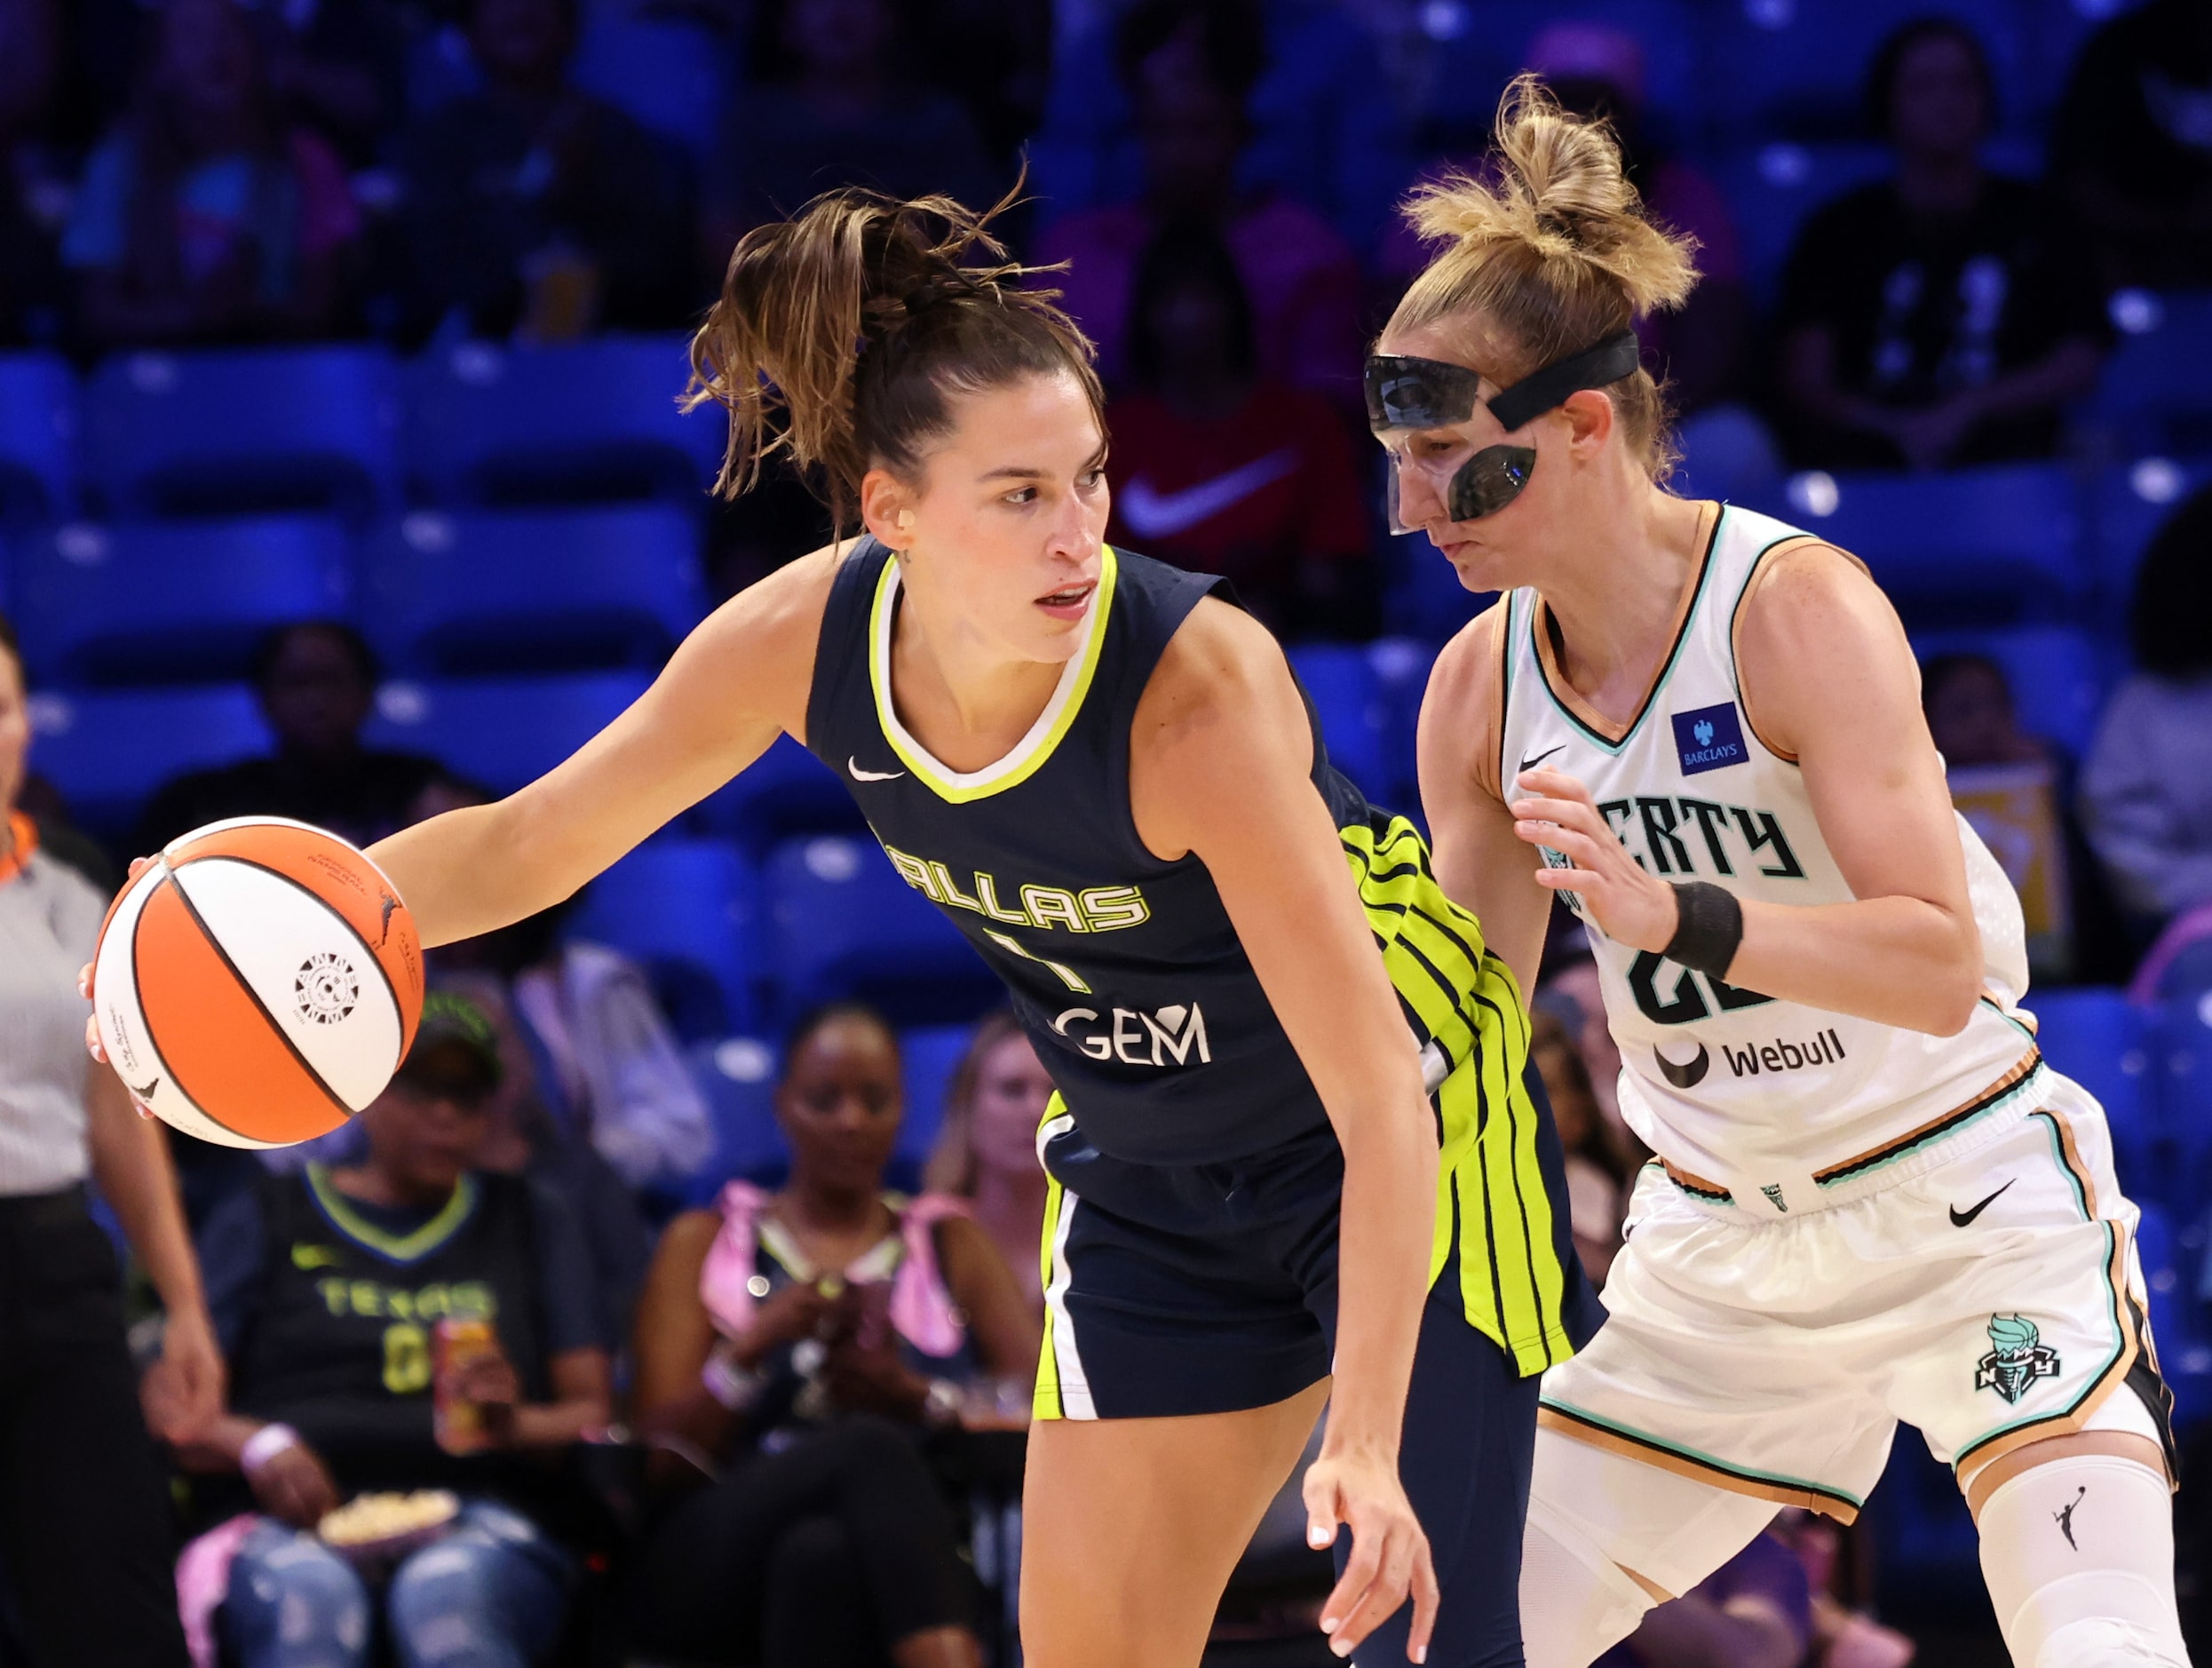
(1212, 1288)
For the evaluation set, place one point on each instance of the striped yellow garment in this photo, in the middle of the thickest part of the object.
(1461, 998)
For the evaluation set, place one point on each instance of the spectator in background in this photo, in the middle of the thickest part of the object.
(33, 294)
(331, 1289)
(995, 57)
(1188, 70)
(836, 98)
(2017, 792)
(795, 1347)
(1598, 1171)
(986, 1148)
(1327, 125)
(317, 682)
(1218, 468)
(2133, 144)
(83, 1520)
(204, 217)
(2146, 786)
(533, 208)
(1943, 316)
(599, 1058)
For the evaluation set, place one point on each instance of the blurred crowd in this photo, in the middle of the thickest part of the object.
(683, 1412)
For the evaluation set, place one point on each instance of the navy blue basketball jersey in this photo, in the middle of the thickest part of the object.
(1125, 970)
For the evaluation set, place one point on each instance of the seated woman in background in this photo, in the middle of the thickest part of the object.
(407, 1323)
(1221, 469)
(202, 218)
(986, 1149)
(792, 1346)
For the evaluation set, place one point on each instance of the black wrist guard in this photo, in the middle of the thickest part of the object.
(1710, 928)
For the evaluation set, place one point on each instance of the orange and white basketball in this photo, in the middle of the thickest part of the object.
(259, 983)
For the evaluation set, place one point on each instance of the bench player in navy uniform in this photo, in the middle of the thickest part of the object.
(1105, 773)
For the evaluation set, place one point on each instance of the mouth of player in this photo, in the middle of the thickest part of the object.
(1069, 601)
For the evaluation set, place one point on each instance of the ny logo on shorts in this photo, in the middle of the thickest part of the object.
(2017, 1359)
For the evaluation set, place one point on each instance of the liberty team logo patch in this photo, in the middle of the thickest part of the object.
(2018, 1357)
(1710, 738)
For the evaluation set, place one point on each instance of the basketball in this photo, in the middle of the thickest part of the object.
(257, 983)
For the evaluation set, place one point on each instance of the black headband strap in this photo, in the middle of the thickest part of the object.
(1616, 357)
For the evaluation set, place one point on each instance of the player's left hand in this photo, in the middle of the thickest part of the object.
(1629, 905)
(1389, 1553)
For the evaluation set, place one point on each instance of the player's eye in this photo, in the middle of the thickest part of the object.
(1021, 495)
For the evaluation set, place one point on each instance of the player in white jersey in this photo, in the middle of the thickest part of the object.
(1874, 1202)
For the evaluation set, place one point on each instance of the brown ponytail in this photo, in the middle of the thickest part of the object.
(1553, 255)
(840, 333)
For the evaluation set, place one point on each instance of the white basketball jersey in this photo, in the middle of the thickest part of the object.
(1776, 1106)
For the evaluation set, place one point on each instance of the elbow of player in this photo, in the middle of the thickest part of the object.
(1953, 997)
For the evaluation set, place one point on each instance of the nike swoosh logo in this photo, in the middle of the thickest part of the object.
(1152, 514)
(1964, 1218)
(1530, 764)
(854, 764)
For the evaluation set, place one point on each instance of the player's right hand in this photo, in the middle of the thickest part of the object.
(1389, 1552)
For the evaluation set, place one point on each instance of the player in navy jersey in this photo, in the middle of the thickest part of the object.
(1105, 773)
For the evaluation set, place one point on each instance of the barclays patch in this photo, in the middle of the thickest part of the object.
(1710, 738)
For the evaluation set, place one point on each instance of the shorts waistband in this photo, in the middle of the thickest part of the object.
(1913, 1153)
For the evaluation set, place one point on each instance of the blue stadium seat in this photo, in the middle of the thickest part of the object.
(930, 1055)
(1355, 718)
(568, 590)
(2173, 1262)
(1774, 189)
(737, 1074)
(669, 73)
(2056, 674)
(689, 911)
(1974, 547)
(844, 925)
(504, 732)
(108, 752)
(172, 602)
(1472, 47)
(594, 422)
(39, 431)
(2152, 396)
(784, 793)
(2181, 1055)
(243, 430)
(2103, 1042)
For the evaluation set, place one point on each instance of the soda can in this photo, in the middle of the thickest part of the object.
(458, 1425)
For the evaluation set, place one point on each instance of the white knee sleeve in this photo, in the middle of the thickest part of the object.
(1576, 1601)
(2079, 1556)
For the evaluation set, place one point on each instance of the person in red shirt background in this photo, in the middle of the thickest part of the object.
(1219, 467)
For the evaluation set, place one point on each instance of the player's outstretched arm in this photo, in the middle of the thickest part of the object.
(737, 681)
(1221, 762)
(1828, 677)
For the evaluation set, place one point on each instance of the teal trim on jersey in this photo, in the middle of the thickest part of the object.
(1972, 1112)
(1598, 739)
(410, 1248)
(2027, 1031)
(1726, 1468)
(1506, 782)
(2058, 1155)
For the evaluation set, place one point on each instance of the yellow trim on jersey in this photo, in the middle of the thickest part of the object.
(1465, 1002)
(407, 1248)
(1029, 754)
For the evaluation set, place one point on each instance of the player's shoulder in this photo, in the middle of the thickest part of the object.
(1469, 676)
(1804, 583)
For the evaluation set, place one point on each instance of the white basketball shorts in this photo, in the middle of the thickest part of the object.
(1988, 1301)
